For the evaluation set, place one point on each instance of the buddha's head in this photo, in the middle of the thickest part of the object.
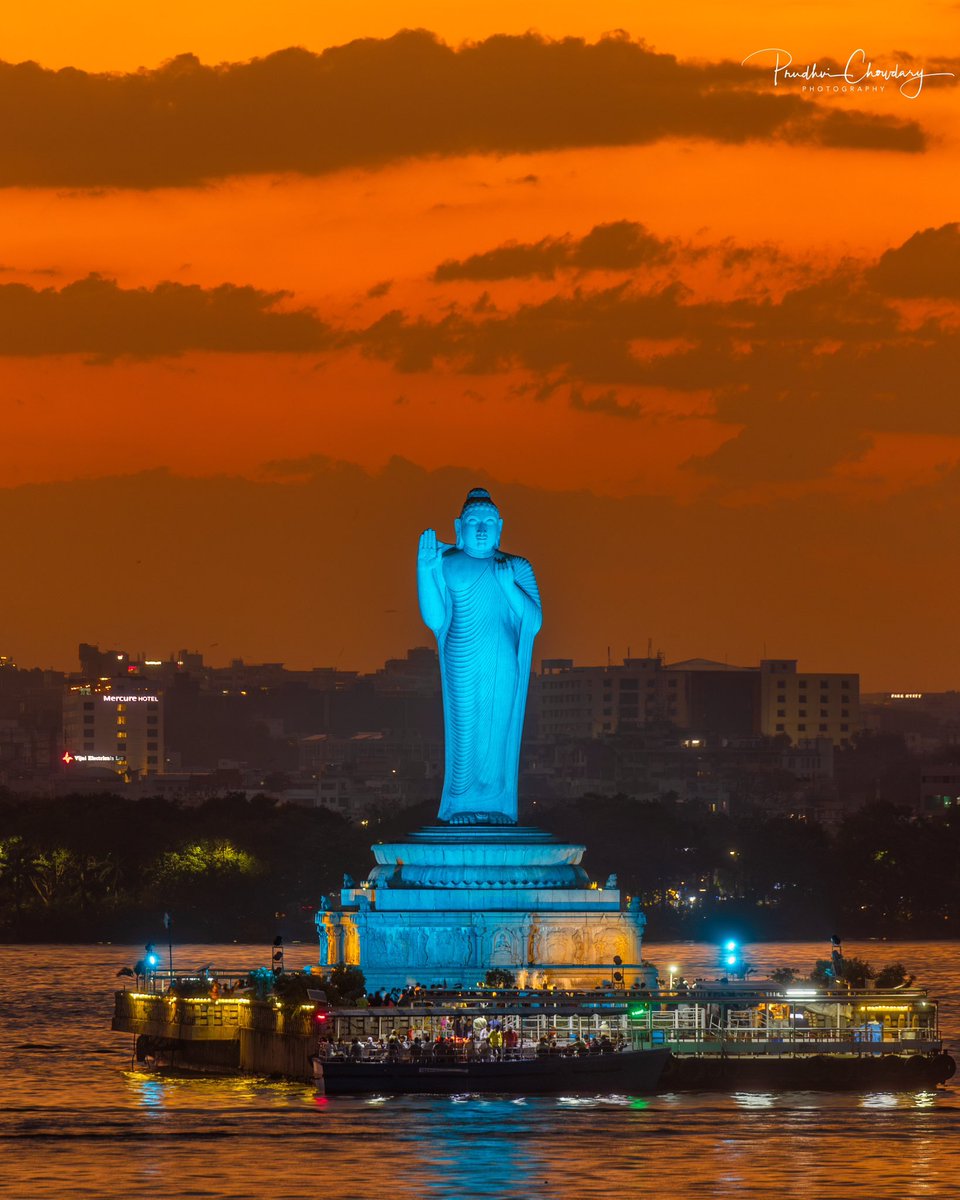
(479, 525)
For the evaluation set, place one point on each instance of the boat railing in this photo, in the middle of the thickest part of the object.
(712, 1038)
(160, 981)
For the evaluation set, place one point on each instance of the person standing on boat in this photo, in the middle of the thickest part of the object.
(510, 1041)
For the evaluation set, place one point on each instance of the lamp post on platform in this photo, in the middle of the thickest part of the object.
(168, 926)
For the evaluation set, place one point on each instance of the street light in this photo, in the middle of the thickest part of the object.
(673, 971)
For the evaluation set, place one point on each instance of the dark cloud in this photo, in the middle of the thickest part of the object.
(845, 128)
(607, 403)
(810, 376)
(379, 289)
(94, 316)
(804, 377)
(513, 260)
(927, 264)
(617, 246)
(587, 334)
(376, 101)
(795, 448)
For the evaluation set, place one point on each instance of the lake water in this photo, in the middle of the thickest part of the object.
(76, 1121)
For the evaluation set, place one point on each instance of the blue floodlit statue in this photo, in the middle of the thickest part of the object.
(484, 608)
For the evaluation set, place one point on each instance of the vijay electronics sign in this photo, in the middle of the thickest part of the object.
(67, 758)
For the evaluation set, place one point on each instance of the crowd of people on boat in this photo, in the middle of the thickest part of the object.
(465, 1041)
(398, 997)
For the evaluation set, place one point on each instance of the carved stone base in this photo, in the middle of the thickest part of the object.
(573, 949)
(450, 904)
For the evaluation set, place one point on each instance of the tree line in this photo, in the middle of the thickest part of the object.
(103, 868)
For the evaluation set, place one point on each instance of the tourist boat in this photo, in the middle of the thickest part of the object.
(713, 1035)
(621, 1072)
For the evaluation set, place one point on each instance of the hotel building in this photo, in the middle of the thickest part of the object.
(115, 724)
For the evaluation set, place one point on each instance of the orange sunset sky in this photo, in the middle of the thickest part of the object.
(278, 283)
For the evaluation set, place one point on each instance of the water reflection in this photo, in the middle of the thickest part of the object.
(118, 1133)
(152, 1094)
(754, 1099)
(481, 1149)
(880, 1100)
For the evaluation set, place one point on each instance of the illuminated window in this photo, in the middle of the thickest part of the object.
(121, 708)
(121, 720)
(121, 735)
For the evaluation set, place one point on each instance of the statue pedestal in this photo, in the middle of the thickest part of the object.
(454, 901)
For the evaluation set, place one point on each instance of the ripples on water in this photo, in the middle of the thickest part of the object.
(76, 1121)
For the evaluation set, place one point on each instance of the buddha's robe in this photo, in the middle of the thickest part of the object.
(485, 656)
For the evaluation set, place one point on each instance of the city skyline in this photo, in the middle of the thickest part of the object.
(697, 336)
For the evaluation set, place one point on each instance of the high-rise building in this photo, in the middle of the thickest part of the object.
(117, 724)
(698, 696)
(822, 704)
(102, 664)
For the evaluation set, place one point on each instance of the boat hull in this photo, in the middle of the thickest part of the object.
(629, 1071)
